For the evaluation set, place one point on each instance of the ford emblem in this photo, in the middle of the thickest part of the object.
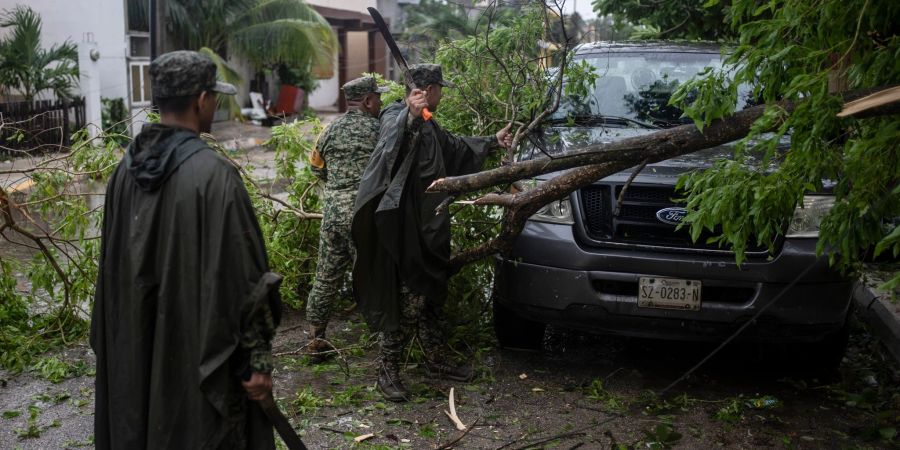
(671, 216)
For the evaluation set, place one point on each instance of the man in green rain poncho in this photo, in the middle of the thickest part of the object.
(185, 307)
(402, 241)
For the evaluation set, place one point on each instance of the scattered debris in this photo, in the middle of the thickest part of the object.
(452, 413)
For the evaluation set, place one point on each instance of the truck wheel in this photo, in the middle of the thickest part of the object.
(514, 331)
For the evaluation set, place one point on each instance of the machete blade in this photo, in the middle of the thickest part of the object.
(395, 52)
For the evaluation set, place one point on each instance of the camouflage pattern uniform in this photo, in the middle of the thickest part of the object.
(257, 341)
(419, 320)
(344, 148)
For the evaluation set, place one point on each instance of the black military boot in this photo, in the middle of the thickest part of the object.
(318, 349)
(390, 385)
(439, 369)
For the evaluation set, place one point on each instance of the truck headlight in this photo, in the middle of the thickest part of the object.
(808, 217)
(559, 211)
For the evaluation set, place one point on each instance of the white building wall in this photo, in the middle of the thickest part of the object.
(325, 95)
(97, 22)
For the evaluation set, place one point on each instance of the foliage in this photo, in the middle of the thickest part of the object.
(114, 119)
(55, 370)
(802, 52)
(33, 429)
(138, 15)
(292, 241)
(227, 74)
(299, 77)
(396, 91)
(500, 77)
(28, 68)
(432, 22)
(62, 224)
(671, 19)
(597, 392)
(306, 402)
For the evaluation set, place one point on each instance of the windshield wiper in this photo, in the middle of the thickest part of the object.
(593, 119)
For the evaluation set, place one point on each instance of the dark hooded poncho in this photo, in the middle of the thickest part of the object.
(182, 265)
(398, 236)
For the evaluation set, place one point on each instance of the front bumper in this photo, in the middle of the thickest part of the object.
(550, 278)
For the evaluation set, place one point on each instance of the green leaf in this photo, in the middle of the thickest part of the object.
(893, 238)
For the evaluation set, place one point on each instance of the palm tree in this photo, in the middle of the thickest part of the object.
(267, 33)
(439, 20)
(27, 67)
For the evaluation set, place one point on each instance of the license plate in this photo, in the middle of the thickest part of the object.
(669, 293)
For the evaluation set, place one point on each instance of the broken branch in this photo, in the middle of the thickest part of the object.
(452, 413)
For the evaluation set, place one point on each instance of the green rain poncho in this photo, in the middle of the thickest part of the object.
(182, 265)
(398, 237)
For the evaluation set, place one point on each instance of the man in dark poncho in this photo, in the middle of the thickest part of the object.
(185, 307)
(402, 241)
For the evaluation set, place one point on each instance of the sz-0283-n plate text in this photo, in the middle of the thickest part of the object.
(669, 293)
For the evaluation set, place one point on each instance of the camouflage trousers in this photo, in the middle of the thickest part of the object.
(417, 319)
(335, 255)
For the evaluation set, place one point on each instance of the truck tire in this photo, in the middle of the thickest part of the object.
(513, 331)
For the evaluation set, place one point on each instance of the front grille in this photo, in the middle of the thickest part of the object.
(636, 221)
(595, 202)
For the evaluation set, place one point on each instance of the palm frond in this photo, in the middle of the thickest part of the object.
(227, 74)
(182, 27)
(138, 15)
(294, 42)
(272, 10)
(207, 23)
(29, 68)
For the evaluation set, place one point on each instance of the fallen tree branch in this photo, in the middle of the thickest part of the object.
(626, 186)
(653, 147)
(596, 162)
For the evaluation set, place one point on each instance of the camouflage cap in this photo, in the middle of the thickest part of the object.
(360, 87)
(183, 73)
(425, 74)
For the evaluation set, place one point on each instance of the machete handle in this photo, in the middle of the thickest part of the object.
(426, 114)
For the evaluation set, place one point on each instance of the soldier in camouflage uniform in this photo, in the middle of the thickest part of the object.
(339, 159)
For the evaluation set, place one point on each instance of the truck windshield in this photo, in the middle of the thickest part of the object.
(636, 88)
